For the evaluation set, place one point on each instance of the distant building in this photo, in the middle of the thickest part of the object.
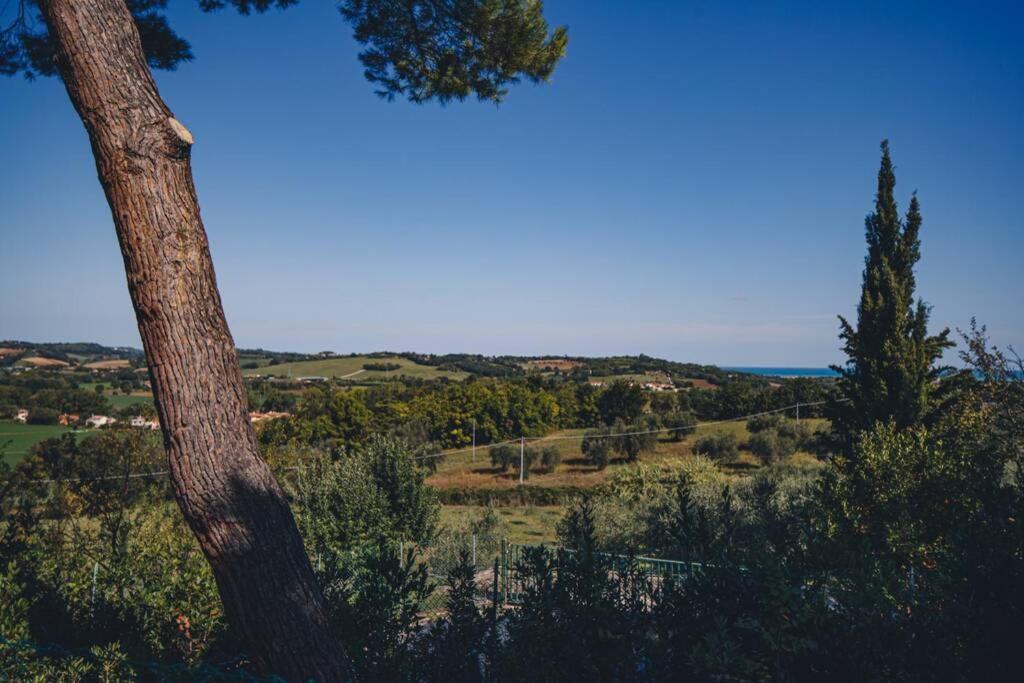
(98, 421)
(307, 380)
(68, 419)
(21, 416)
(658, 386)
(142, 423)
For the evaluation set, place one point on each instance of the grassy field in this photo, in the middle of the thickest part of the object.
(119, 400)
(351, 367)
(460, 470)
(17, 438)
(525, 524)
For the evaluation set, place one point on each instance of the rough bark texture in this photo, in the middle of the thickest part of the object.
(226, 491)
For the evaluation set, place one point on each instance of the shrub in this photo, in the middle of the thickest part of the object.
(760, 423)
(718, 446)
(381, 367)
(770, 445)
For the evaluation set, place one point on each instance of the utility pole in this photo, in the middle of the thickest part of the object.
(798, 413)
(473, 457)
(522, 457)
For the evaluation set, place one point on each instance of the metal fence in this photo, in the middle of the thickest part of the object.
(444, 554)
(657, 569)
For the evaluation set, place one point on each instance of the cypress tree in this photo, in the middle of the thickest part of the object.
(891, 366)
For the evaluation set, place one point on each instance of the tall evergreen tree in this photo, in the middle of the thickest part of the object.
(891, 366)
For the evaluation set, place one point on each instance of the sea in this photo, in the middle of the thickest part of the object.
(786, 372)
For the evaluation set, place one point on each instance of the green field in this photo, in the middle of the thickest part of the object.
(120, 400)
(523, 524)
(351, 367)
(17, 438)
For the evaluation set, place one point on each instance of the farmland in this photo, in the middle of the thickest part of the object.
(461, 470)
(350, 367)
(17, 438)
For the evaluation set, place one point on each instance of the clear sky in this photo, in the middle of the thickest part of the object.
(691, 185)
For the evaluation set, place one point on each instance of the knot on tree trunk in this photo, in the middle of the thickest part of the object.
(181, 138)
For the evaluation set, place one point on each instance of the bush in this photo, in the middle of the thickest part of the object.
(770, 445)
(762, 423)
(718, 446)
(777, 438)
(381, 367)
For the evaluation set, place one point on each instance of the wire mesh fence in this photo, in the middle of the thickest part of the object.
(445, 554)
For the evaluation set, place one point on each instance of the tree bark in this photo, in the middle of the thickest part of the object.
(227, 493)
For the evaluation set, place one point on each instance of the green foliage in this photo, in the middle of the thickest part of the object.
(596, 448)
(621, 400)
(503, 456)
(630, 440)
(451, 49)
(777, 438)
(891, 366)
(375, 495)
(382, 367)
(549, 457)
(682, 424)
(458, 641)
(721, 446)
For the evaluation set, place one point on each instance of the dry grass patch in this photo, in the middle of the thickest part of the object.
(114, 364)
(40, 362)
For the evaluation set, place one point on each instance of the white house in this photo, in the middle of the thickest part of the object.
(21, 416)
(100, 421)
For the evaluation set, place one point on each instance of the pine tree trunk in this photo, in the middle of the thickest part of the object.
(229, 498)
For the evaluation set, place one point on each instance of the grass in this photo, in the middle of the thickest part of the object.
(133, 399)
(524, 524)
(351, 367)
(119, 400)
(17, 438)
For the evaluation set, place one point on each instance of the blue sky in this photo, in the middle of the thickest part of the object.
(691, 185)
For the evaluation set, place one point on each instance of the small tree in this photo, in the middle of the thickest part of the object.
(503, 455)
(681, 423)
(596, 448)
(631, 440)
(550, 457)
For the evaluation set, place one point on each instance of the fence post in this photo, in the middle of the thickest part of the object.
(504, 570)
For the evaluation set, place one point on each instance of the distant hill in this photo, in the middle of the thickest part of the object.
(381, 365)
(61, 354)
